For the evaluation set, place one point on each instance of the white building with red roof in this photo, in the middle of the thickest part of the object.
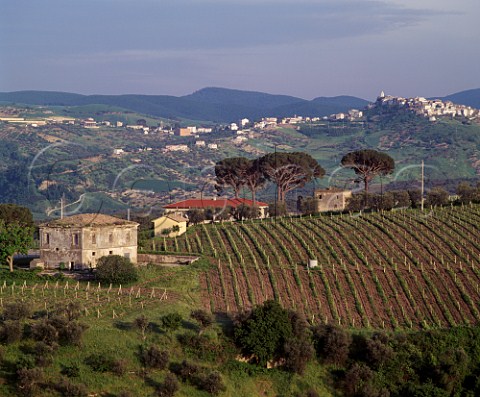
(217, 204)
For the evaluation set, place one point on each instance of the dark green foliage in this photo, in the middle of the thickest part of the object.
(71, 310)
(169, 386)
(28, 380)
(298, 352)
(171, 321)
(71, 371)
(196, 216)
(201, 346)
(468, 193)
(378, 351)
(17, 311)
(368, 163)
(203, 318)
(141, 323)
(115, 269)
(359, 381)
(230, 172)
(186, 371)
(119, 367)
(212, 383)
(45, 331)
(99, 362)
(12, 213)
(66, 388)
(436, 196)
(415, 197)
(246, 212)
(263, 333)
(332, 344)
(153, 357)
(43, 354)
(289, 170)
(11, 331)
(14, 238)
(277, 209)
(311, 393)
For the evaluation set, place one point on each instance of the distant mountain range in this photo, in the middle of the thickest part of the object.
(213, 104)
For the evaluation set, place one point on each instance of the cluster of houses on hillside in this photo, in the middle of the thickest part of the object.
(429, 108)
(79, 241)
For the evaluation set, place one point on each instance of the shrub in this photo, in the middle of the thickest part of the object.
(200, 345)
(28, 379)
(171, 321)
(11, 331)
(153, 357)
(203, 318)
(115, 269)
(99, 362)
(71, 371)
(264, 331)
(332, 344)
(141, 323)
(17, 311)
(43, 354)
(72, 333)
(44, 331)
(72, 310)
(298, 352)
(119, 367)
(186, 371)
(68, 389)
(212, 383)
(169, 386)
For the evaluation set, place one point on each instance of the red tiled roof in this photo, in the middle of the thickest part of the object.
(211, 203)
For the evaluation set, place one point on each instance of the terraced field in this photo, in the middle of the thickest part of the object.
(402, 269)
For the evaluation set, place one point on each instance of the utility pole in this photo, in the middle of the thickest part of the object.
(423, 185)
(62, 205)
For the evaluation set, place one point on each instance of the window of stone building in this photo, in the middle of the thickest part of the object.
(94, 238)
(128, 237)
(110, 238)
(110, 252)
(93, 253)
(75, 239)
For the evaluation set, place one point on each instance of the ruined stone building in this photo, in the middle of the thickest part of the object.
(79, 241)
(331, 199)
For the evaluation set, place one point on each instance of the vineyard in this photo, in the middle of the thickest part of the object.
(393, 270)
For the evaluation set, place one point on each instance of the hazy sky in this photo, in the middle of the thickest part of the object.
(306, 48)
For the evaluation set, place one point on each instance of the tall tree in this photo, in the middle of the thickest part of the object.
(11, 213)
(14, 238)
(230, 172)
(289, 171)
(254, 178)
(368, 164)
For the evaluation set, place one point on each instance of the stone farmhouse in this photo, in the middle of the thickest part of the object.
(331, 199)
(78, 241)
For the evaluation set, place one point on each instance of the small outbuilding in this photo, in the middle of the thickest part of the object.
(331, 199)
(170, 225)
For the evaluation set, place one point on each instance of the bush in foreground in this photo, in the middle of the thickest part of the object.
(115, 269)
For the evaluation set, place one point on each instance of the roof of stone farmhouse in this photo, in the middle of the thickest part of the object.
(87, 220)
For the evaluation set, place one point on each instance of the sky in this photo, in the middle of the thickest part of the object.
(304, 48)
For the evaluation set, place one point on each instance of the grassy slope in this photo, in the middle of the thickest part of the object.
(116, 338)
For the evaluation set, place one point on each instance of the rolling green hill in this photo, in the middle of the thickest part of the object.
(209, 104)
